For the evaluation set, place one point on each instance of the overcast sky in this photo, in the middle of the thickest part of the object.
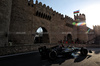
(91, 8)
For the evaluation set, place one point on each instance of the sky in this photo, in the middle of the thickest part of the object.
(91, 9)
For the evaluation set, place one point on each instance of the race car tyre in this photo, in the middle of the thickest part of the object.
(53, 55)
(84, 52)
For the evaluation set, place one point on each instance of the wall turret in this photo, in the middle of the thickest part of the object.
(36, 2)
(44, 5)
(40, 3)
(31, 1)
(96, 29)
(80, 17)
(47, 7)
(54, 13)
(51, 9)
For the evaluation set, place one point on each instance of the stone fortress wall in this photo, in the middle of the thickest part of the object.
(25, 17)
(5, 13)
(19, 21)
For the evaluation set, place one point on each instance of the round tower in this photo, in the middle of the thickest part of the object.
(5, 12)
(81, 27)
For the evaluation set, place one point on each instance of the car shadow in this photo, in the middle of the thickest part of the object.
(59, 61)
(34, 59)
(63, 59)
(81, 58)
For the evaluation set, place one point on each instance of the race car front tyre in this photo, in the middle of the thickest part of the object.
(53, 55)
(84, 52)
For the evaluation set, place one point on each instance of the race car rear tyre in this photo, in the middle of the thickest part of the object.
(53, 55)
(84, 52)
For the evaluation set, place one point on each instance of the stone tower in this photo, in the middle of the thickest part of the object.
(96, 29)
(5, 13)
(81, 27)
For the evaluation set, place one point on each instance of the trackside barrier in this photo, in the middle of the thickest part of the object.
(28, 48)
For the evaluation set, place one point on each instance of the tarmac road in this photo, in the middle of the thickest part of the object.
(33, 59)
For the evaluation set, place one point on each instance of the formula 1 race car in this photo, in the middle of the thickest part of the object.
(53, 52)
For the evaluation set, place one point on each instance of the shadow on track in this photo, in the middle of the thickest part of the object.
(58, 61)
(81, 58)
(63, 59)
(34, 59)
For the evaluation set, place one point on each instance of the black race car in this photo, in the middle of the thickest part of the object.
(60, 50)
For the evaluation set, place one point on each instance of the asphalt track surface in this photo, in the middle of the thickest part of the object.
(34, 59)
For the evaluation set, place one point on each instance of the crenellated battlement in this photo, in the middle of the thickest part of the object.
(44, 5)
(40, 3)
(31, 1)
(96, 29)
(48, 10)
(96, 26)
(27, 16)
(42, 8)
(79, 17)
(36, 2)
(48, 7)
(51, 9)
(67, 17)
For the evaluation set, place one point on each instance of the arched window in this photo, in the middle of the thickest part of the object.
(69, 38)
(50, 18)
(28, 2)
(46, 17)
(32, 5)
(43, 15)
(42, 36)
(37, 13)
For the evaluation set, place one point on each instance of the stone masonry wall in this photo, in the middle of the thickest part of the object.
(27, 17)
(21, 22)
(5, 13)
